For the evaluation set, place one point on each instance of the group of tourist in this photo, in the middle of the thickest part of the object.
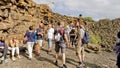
(62, 36)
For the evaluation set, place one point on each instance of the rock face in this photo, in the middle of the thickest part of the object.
(107, 30)
(17, 15)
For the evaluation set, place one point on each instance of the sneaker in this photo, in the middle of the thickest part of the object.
(83, 64)
(56, 63)
(79, 65)
(3, 61)
(2, 58)
(48, 52)
(64, 66)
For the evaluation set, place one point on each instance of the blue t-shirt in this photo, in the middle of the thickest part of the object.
(2, 44)
(39, 36)
(30, 36)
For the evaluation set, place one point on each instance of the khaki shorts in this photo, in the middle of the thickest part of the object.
(40, 42)
(79, 49)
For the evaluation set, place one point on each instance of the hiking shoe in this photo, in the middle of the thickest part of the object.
(64, 66)
(83, 64)
(2, 58)
(49, 52)
(56, 63)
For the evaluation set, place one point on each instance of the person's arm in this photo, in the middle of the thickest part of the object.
(66, 39)
(39, 32)
(11, 43)
(53, 38)
(79, 38)
(17, 43)
(25, 38)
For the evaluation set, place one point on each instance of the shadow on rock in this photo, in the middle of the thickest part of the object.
(46, 59)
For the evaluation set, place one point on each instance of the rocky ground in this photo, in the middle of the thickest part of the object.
(92, 60)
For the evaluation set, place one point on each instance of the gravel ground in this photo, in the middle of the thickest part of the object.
(92, 60)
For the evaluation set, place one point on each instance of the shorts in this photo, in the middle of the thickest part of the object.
(50, 43)
(59, 46)
(118, 60)
(79, 49)
(39, 43)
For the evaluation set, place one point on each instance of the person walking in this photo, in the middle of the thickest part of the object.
(80, 46)
(50, 37)
(60, 43)
(29, 36)
(39, 33)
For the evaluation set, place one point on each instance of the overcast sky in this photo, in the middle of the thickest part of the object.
(97, 9)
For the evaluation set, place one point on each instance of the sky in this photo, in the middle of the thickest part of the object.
(97, 9)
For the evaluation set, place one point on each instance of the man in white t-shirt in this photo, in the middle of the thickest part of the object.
(50, 37)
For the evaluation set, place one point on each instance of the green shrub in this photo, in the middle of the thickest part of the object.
(88, 19)
(95, 39)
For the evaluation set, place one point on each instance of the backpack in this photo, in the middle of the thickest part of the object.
(72, 32)
(59, 35)
(86, 38)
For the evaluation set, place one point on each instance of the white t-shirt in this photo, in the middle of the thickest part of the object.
(50, 33)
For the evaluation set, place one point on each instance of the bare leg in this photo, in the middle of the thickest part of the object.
(63, 58)
(56, 56)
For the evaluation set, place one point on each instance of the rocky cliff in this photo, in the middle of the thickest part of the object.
(107, 31)
(17, 15)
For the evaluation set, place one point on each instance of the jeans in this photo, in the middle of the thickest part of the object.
(50, 43)
(4, 51)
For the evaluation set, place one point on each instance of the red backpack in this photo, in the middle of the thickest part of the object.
(59, 35)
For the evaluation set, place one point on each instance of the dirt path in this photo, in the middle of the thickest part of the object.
(101, 60)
